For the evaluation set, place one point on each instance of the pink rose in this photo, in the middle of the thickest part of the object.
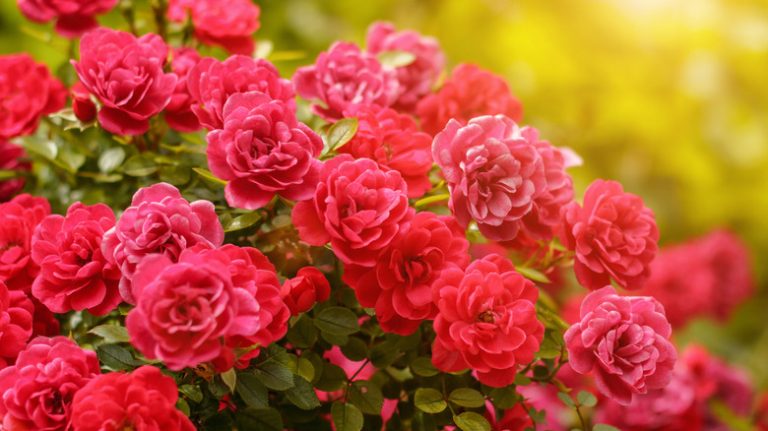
(160, 221)
(395, 142)
(73, 17)
(729, 260)
(399, 286)
(126, 74)
(503, 177)
(263, 150)
(82, 104)
(37, 392)
(613, 234)
(469, 92)
(11, 159)
(357, 207)
(74, 274)
(486, 321)
(417, 78)
(179, 113)
(18, 219)
(345, 78)
(144, 399)
(27, 93)
(212, 82)
(624, 342)
(230, 25)
(16, 317)
(306, 289)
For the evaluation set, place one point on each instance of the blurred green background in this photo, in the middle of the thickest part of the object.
(667, 96)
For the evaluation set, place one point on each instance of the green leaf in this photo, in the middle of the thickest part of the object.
(467, 397)
(504, 398)
(471, 421)
(275, 375)
(355, 349)
(566, 399)
(366, 396)
(337, 321)
(604, 427)
(532, 274)
(111, 159)
(302, 394)
(139, 166)
(229, 378)
(429, 400)
(252, 391)
(346, 417)
(341, 132)
(242, 222)
(182, 405)
(423, 367)
(111, 333)
(396, 59)
(208, 176)
(193, 392)
(253, 419)
(522, 380)
(305, 368)
(586, 399)
(332, 379)
(116, 357)
(71, 159)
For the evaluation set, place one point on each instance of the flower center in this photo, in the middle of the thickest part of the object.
(486, 316)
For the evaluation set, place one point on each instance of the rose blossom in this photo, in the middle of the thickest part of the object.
(212, 82)
(624, 342)
(303, 291)
(357, 207)
(179, 113)
(503, 177)
(37, 392)
(395, 142)
(82, 104)
(417, 78)
(74, 274)
(230, 25)
(126, 74)
(16, 314)
(263, 150)
(613, 234)
(209, 302)
(27, 93)
(345, 78)
(399, 287)
(11, 156)
(143, 399)
(159, 220)
(18, 219)
(44, 322)
(73, 17)
(469, 92)
(486, 320)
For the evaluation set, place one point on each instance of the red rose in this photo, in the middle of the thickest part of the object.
(395, 142)
(37, 392)
(399, 286)
(179, 113)
(27, 93)
(126, 74)
(303, 291)
(357, 207)
(486, 321)
(18, 219)
(470, 92)
(11, 158)
(212, 82)
(82, 105)
(143, 399)
(230, 25)
(73, 17)
(74, 274)
(613, 234)
(345, 78)
(159, 220)
(16, 314)
(263, 150)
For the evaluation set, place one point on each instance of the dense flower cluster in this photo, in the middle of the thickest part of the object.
(230, 24)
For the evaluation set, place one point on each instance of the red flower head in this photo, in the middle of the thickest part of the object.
(37, 392)
(399, 286)
(11, 156)
(486, 321)
(159, 220)
(74, 274)
(73, 17)
(470, 92)
(212, 82)
(263, 150)
(345, 78)
(126, 74)
(302, 292)
(27, 93)
(144, 399)
(416, 78)
(395, 142)
(624, 341)
(82, 104)
(613, 234)
(230, 24)
(16, 317)
(18, 220)
(357, 207)
(179, 113)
